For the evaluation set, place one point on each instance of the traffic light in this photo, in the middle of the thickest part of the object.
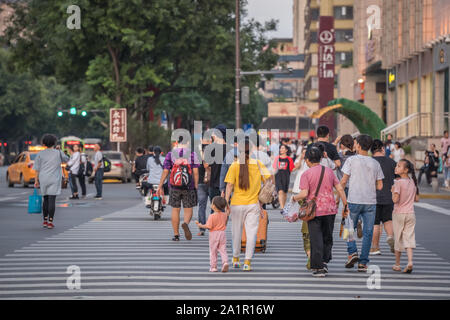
(83, 113)
(73, 111)
(60, 113)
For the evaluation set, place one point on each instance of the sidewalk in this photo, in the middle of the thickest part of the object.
(426, 191)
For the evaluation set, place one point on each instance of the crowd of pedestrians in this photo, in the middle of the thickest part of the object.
(371, 179)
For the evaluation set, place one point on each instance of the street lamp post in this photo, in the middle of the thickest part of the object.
(238, 68)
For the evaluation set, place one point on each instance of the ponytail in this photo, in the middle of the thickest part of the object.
(244, 175)
(411, 171)
(156, 155)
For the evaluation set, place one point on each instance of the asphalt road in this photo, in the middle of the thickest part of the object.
(124, 254)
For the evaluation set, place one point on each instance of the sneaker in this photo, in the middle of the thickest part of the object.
(247, 266)
(98, 198)
(319, 273)
(45, 224)
(359, 230)
(74, 197)
(352, 259)
(325, 267)
(362, 268)
(236, 263)
(213, 270)
(225, 267)
(50, 225)
(390, 241)
(375, 252)
(187, 232)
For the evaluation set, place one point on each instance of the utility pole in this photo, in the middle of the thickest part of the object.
(238, 67)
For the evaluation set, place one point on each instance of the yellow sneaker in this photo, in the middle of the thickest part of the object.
(236, 263)
(247, 266)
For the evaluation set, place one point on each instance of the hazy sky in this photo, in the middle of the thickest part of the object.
(264, 10)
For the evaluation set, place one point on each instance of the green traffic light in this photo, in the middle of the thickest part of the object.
(73, 110)
(83, 113)
(60, 113)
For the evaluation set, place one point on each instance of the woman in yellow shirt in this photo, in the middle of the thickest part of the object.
(244, 180)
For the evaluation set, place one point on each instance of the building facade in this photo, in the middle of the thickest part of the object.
(342, 11)
(416, 51)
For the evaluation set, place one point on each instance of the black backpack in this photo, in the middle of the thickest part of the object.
(89, 169)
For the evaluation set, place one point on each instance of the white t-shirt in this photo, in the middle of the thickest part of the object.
(364, 171)
(398, 154)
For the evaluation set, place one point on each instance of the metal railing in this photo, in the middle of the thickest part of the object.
(414, 125)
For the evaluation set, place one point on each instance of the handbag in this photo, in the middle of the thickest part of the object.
(267, 190)
(35, 203)
(308, 208)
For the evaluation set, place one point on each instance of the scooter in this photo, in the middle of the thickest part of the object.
(142, 178)
(155, 203)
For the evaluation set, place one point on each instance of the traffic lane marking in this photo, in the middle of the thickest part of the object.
(433, 208)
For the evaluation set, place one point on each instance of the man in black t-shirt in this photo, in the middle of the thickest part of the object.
(140, 164)
(216, 166)
(385, 205)
(323, 135)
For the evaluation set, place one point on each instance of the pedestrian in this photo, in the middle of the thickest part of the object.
(154, 167)
(398, 153)
(431, 164)
(389, 145)
(204, 175)
(230, 157)
(445, 142)
(365, 176)
(283, 166)
(244, 180)
(405, 192)
(76, 164)
(140, 164)
(446, 161)
(47, 165)
(318, 182)
(215, 161)
(385, 206)
(181, 163)
(98, 171)
(323, 136)
(217, 224)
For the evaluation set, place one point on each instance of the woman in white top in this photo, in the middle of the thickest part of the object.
(398, 153)
(76, 162)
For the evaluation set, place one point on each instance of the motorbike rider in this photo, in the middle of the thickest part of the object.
(154, 167)
(140, 164)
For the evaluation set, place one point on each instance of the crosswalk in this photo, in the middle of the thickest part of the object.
(127, 255)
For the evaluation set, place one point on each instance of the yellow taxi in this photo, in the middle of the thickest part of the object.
(21, 170)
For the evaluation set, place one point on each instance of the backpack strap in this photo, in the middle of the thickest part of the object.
(322, 173)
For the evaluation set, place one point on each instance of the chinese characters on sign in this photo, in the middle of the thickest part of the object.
(118, 125)
(326, 72)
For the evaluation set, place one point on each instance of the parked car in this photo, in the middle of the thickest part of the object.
(120, 166)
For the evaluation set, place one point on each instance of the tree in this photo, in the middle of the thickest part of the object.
(132, 53)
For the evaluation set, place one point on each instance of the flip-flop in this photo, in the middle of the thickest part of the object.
(396, 268)
(187, 232)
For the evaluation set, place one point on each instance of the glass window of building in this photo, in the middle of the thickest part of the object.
(344, 58)
(315, 13)
(344, 35)
(343, 13)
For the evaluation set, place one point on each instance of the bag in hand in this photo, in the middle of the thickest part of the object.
(35, 203)
(308, 208)
(267, 191)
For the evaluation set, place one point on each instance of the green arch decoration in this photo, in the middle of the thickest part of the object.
(367, 121)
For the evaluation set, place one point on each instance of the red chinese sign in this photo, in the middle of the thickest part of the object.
(118, 125)
(326, 40)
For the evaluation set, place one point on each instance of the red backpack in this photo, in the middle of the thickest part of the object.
(181, 174)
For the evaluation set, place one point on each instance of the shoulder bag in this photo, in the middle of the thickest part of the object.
(267, 190)
(308, 208)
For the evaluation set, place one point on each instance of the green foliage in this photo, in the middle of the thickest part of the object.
(133, 53)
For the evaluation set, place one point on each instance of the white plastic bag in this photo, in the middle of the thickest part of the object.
(290, 211)
(348, 229)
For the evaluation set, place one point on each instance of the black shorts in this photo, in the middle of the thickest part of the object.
(384, 213)
(179, 196)
(282, 179)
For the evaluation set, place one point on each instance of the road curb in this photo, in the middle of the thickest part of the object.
(434, 196)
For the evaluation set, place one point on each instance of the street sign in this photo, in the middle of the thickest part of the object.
(326, 67)
(118, 125)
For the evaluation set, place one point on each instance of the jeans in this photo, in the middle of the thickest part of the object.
(321, 240)
(202, 193)
(213, 192)
(73, 183)
(367, 212)
(99, 181)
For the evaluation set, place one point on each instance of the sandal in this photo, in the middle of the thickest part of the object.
(408, 269)
(396, 268)
(201, 233)
(176, 238)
